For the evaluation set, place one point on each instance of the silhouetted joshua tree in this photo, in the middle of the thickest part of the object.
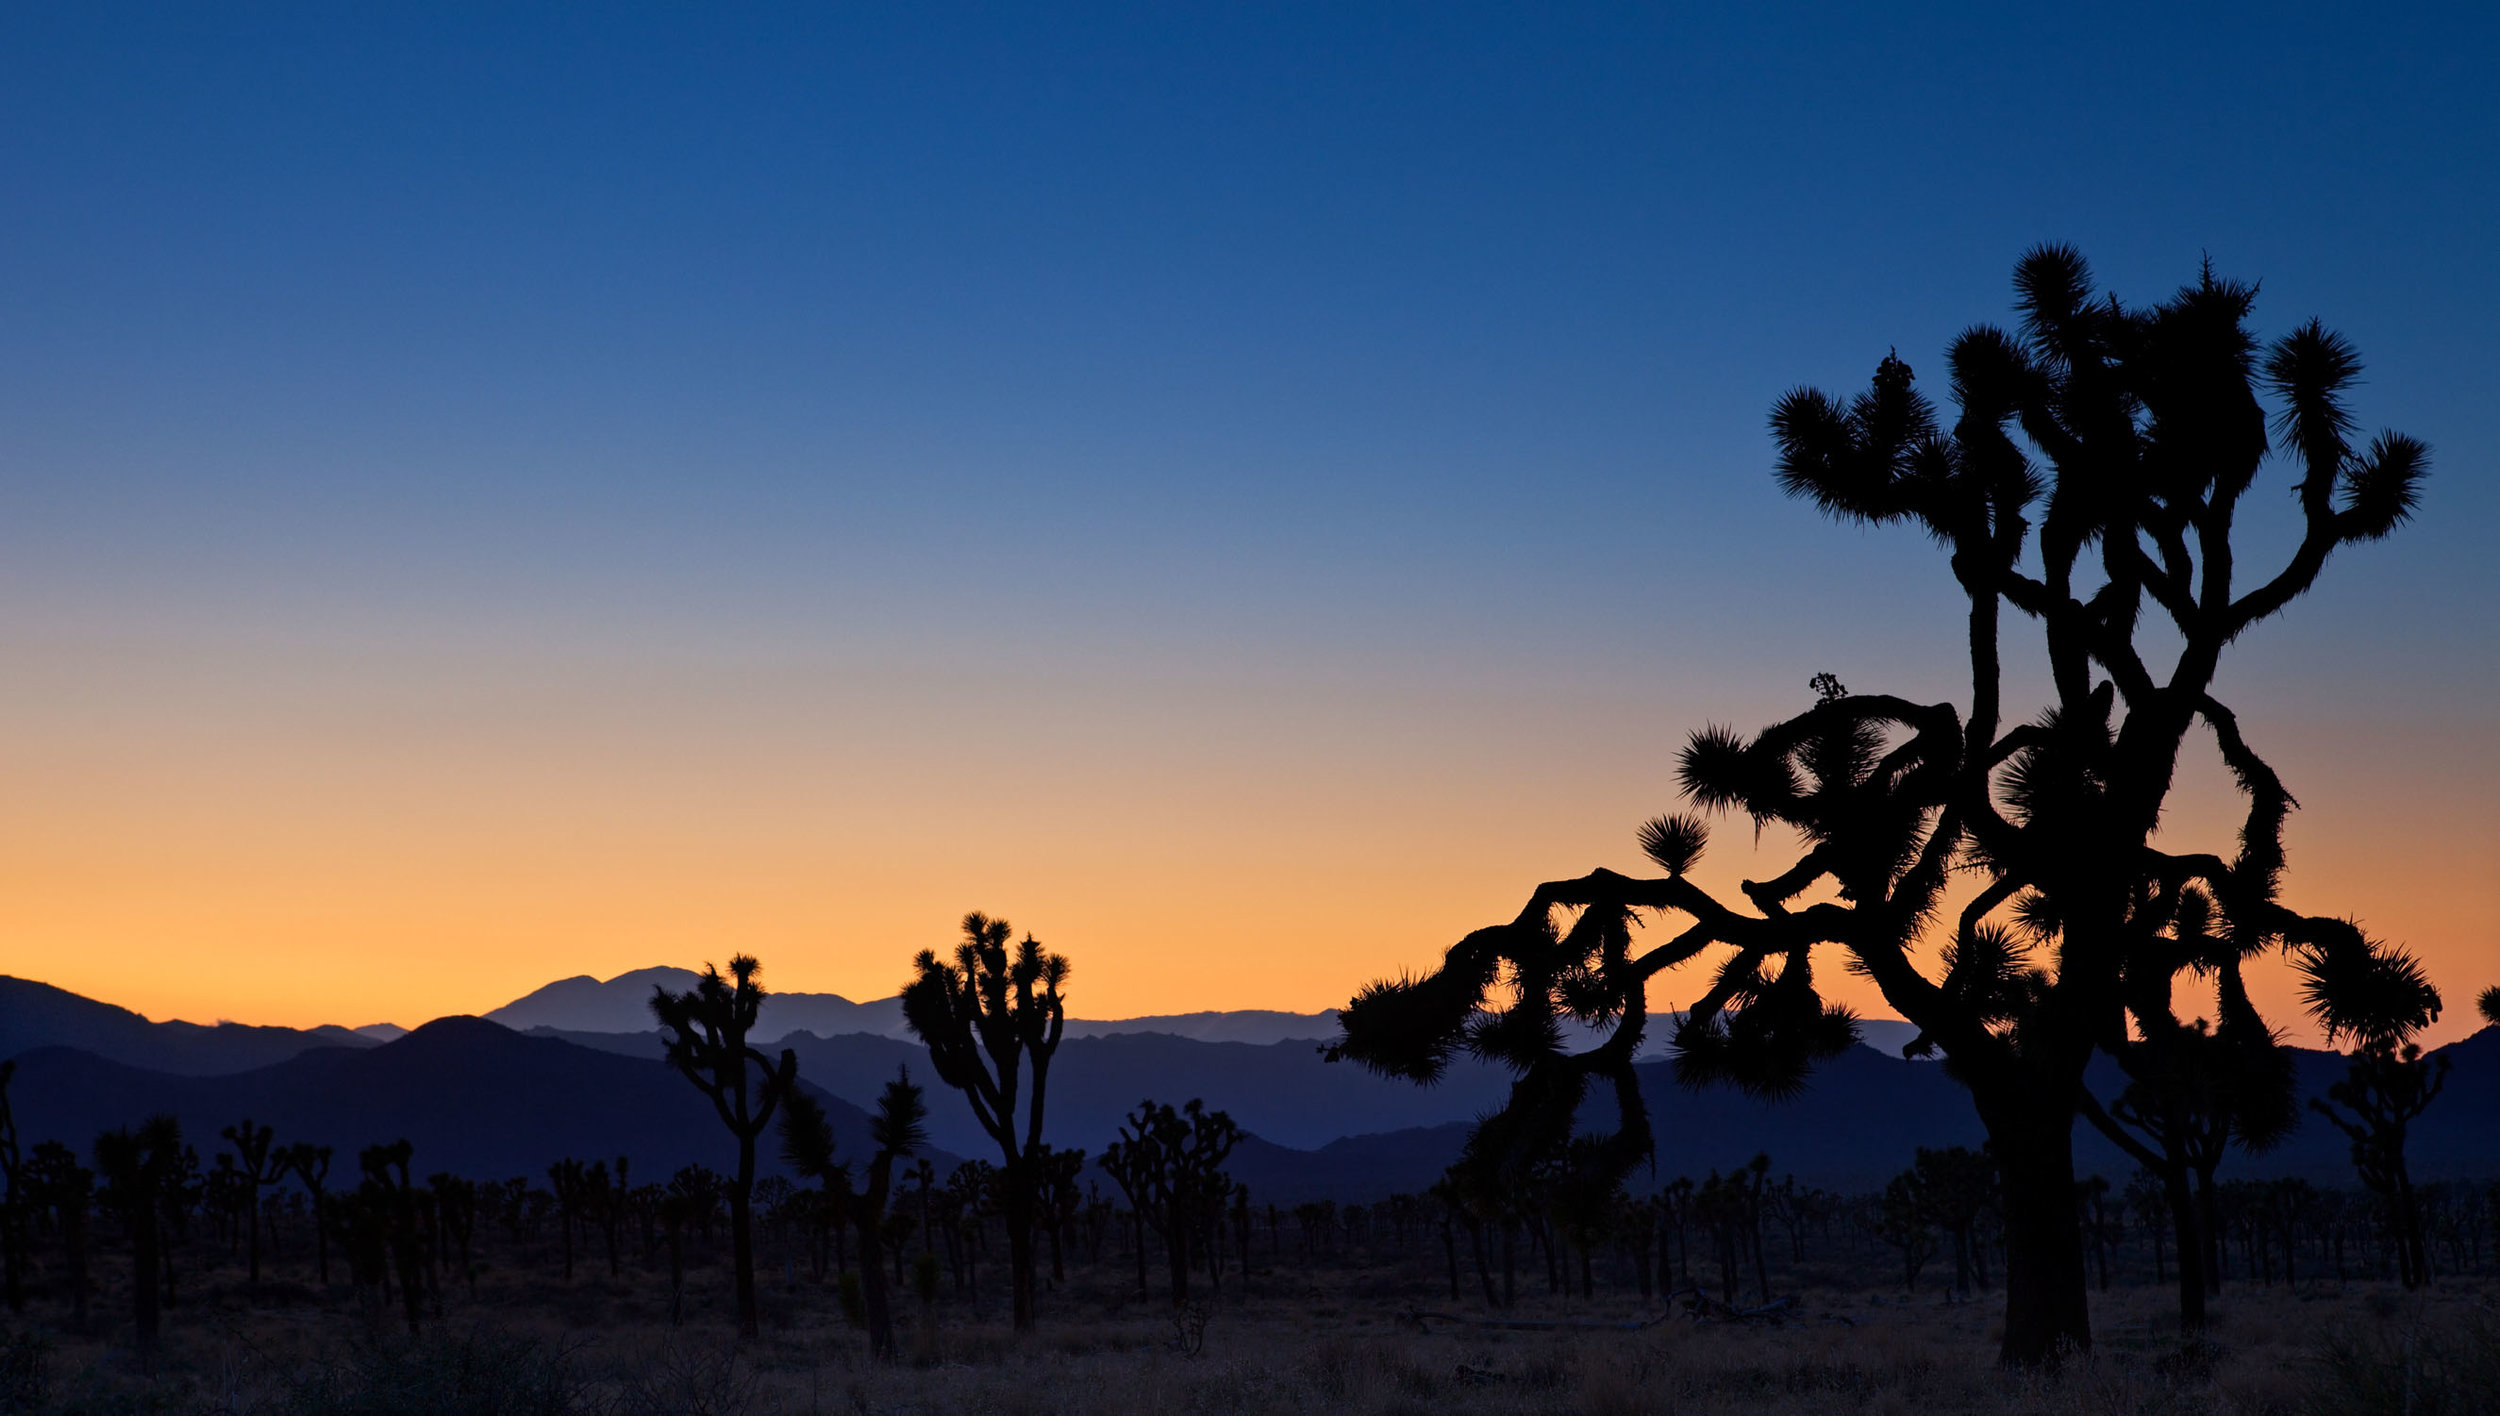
(2141, 429)
(455, 1219)
(390, 1231)
(2380, 999)
(13, 1199)
(2194, 1090)
(311, 1165)
(708, 1026)
(1170, 1164)
(2489, 1004)
(260, 1169)
(1904, 1219)
(57, 1182)
(984, 1017)
(807, 1148)
(895, 1132)
(140, 1169)
(565, 1181)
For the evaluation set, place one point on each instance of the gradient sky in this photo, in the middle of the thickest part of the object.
(492, 494)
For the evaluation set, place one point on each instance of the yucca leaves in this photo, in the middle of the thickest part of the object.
(2381, 487)
(1674, 842)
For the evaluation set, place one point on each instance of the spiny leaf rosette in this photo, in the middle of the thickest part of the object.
(2090, 480)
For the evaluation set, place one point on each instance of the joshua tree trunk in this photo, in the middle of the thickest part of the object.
(145, 1261)
(872, 1295)
(742, 1235)
(2046, 1310)
(2189, 1229)
(1176, 1249)
(1019, 1216)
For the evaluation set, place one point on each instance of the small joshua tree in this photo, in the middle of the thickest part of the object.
(455, 1216)
(1170, 1164)
(141, 1168)
(260, 1169)
(1903, 1220)
(387, 1206)
(895, 1131)
(807, 1148)
(565, 1178)
(57, 1182)
(13, 1198)
(707, 1027)
(311, 1165)
(984, 1017)
(2381, 999)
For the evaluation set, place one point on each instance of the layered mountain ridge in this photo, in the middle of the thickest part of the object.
(480, 1097)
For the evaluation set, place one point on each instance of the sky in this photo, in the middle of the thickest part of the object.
(495, 493)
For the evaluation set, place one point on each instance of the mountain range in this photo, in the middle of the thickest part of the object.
(479, 1097)
(622, 1004)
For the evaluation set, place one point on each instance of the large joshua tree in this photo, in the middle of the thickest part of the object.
(2091, 481)
(984, 1017)
(707, 1028)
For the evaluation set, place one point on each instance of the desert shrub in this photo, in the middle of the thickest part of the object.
(2447, 1370)
(23, 1358)
(683, 1380)
(480, 1373)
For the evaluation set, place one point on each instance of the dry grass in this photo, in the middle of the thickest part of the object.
(1323, 1343)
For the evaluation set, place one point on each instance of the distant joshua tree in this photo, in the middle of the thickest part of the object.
(708, 1026)
(895, 1131)
(13, 1199)
(141, 1168)
(311, 1165)
(984, 1017)
(260, 1169)
(455, 1219)
(807, 1148)
(57, 1182)
(565, 1179)
(2380, 999)
(1904, 1219)
(2090, 484)
(1170, 1164)
(392, 1233)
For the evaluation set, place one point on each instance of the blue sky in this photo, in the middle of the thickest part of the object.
(1400, 369)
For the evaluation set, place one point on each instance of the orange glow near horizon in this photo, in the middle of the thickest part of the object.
(388, 853)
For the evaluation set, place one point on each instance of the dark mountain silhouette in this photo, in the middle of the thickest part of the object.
(34, 1015)
(476, 1098)
(1863, 1118)
(1257, 1026)
(1281, 1092)
(1860, 1120)
(622, 1004)
(480, 1099)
